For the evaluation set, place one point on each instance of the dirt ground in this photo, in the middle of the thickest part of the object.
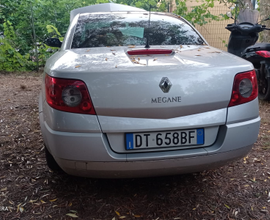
(29, 190)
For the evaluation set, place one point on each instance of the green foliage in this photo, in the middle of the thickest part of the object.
(53, 31)
(50, 18)
(10, 58)
(199, 14)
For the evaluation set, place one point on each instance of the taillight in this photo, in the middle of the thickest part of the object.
(68, 95)
(245, 88)
(263, 53)
(149, 51)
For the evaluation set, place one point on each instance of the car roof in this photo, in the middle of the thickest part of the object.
(106, 7)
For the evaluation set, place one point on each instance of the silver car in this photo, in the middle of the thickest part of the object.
(138, 94)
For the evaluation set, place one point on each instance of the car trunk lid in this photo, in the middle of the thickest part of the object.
(190, 80)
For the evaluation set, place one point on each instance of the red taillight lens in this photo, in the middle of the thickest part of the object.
(149, 51)
(263, 53)
(68, 95)
(245, 88)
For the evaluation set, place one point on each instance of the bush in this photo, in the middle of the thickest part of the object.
(10, 57)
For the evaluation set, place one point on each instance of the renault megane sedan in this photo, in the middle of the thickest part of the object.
(133, 93)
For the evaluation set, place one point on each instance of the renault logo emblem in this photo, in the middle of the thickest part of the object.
(165, 84)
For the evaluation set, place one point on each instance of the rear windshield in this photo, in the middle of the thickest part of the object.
(119, 29)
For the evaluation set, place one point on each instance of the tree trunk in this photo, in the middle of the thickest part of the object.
(265, 13)
(35, 38)
(246, 3)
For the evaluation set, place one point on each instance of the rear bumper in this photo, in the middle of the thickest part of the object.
(150, 168)
(90, 155)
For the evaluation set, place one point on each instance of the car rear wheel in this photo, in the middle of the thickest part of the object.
(263, 83)
(264, 89)
(51, 161)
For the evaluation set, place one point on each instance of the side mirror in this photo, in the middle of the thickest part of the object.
(229, 14)
(53, 42)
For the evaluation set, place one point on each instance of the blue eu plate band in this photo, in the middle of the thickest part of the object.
(129, 141)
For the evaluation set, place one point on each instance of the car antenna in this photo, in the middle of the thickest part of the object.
(147, 39)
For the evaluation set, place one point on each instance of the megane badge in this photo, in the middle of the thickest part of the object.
(165, 84)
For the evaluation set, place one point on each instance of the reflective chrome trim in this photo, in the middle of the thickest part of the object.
(165, 84)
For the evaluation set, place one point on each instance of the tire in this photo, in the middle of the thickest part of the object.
(263, 85)
(52, 164)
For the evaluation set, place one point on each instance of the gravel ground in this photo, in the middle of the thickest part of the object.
(29, 190)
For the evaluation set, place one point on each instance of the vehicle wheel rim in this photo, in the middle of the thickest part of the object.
(263, 86)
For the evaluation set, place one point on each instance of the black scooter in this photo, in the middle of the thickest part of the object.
(244, 35)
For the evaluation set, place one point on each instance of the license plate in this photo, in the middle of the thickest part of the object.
(164, 139)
